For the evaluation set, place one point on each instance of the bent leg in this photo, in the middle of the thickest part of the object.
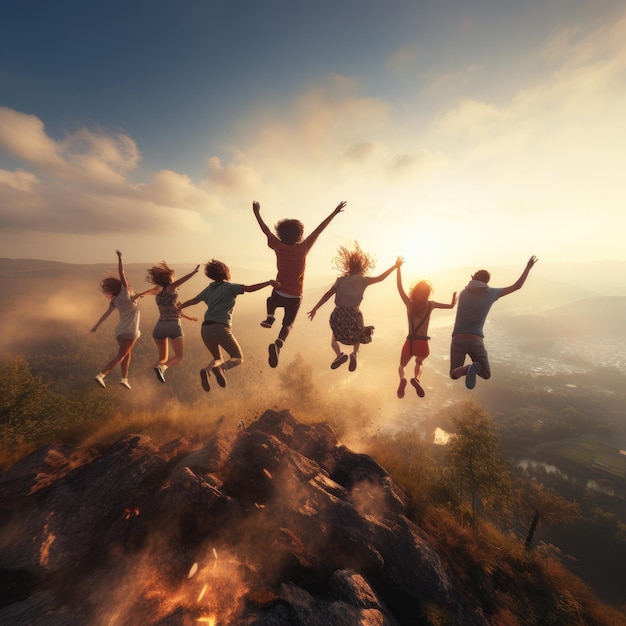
(178, 345)
(457, 358)
(124, 348)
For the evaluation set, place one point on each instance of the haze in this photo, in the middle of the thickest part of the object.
(463, 133)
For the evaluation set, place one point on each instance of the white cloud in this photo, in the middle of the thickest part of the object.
(81, 184)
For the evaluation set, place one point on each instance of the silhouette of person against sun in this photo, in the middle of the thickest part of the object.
(291, 252)
(475, 302)
(418, 309)
(346, 320)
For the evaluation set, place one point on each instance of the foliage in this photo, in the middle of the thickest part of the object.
(31, 412)
(409, 461)
(477, 470)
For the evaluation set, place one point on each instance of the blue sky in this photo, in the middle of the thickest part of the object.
(458, 132)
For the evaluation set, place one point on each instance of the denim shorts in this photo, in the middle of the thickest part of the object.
(168, 329)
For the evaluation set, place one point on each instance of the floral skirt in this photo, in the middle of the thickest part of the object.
(347, 326)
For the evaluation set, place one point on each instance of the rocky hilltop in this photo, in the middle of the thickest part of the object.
(271, 524)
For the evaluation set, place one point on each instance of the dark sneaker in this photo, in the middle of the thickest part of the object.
(470, 377)
(219, 376)
(420, 391)
(401, 388)
(158, 370)
(204, 379)
(340, 360)
(352, 365)
(268, 323)
(273, 358)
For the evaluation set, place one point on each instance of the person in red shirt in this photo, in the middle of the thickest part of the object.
(291, 251)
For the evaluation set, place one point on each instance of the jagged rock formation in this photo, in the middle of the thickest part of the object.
(269, 525)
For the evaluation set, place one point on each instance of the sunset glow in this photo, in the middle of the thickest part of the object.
(440, 126)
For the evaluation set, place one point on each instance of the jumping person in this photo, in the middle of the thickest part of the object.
(418, 309)
(475, 301)
(219, 297)
(124, 299)
(168, 328)
(291, 252)
(346, 320)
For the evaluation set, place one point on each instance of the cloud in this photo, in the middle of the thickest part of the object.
(82, 184)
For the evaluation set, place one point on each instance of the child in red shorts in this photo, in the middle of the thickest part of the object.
(418, 308)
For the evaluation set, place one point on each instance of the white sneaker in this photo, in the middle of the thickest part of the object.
(99, 378)
(124, 382)
(159, 371)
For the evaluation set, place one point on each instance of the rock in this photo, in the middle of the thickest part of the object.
(272, 524)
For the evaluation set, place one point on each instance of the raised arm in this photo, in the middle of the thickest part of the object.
(443, 305)
(403, 294)
(120, 269)
(521, 280)
(316, 233)
(256, 208)
(103, 317)
(396, 265)
(258, 286)
(184, 279)
(322, 300)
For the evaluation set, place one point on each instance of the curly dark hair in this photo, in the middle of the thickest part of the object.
(216, 270)
(160, 274)
(353, 260)
(482, 275)
(289, 231)
(110, 286)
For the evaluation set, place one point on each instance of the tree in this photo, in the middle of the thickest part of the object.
(478, 470)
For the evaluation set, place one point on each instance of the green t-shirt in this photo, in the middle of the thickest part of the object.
(220, 300)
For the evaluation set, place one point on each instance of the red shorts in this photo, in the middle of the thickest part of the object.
(416, 347)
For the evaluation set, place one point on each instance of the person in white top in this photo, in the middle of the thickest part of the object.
(124, 299)
(346, 320)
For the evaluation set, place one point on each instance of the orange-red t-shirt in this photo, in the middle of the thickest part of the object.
(291, 262)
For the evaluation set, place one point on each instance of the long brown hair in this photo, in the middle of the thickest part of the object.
(110, 286)
(160, 274)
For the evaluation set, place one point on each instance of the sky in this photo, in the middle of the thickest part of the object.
(459, 133)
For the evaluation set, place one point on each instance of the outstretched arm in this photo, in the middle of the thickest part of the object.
(258, 286)
(184, 279)
(256, 208)
(120, 269)
(148, 292)
(443, 305)
(522, 279)
(322, 300)
(104, 316)
(191, 302)
(316, 233)
(377, 279)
